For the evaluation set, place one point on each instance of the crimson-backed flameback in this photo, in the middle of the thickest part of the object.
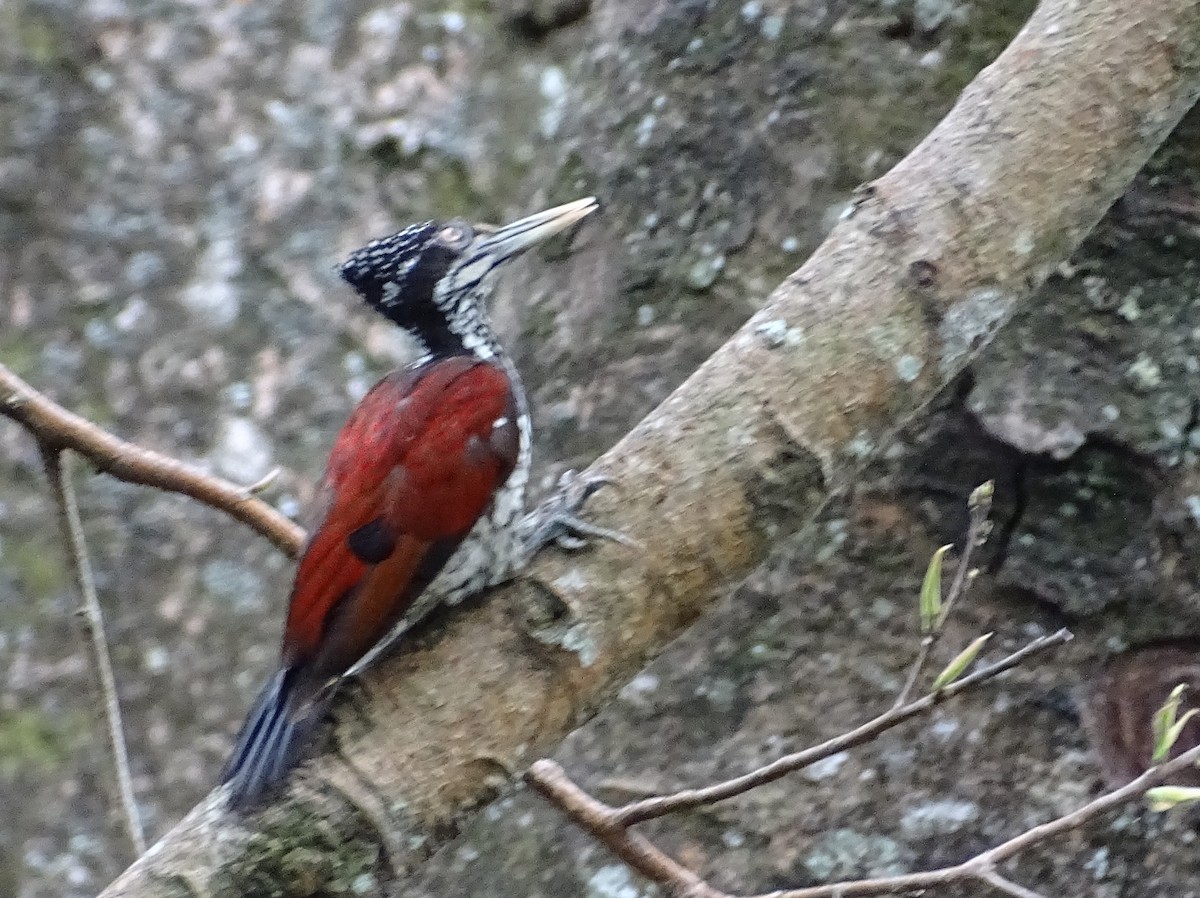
(423, 498)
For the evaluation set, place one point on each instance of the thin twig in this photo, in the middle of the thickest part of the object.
(978, 866)
(55, 427)
(978, 507)
(649, 808)
(1006, 885)
(604, 823)
(59, 475)
(598, 819)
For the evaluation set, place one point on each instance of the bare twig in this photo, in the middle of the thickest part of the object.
(649, 808)
(599, 820)
(1003, 884)
(603, 822)
(59, 475)
(56, 428)
(978, 507)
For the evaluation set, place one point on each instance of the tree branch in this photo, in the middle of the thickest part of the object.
(59, 476)
(601, 821)
(55, 427)
(658, 806)
(925, 267)
(978, 529)
(1007, 886)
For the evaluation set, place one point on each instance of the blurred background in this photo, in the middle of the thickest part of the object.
(178, 181)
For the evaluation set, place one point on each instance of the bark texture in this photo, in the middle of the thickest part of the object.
(925, 266)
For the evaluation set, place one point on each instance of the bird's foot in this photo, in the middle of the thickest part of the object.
(556, 520)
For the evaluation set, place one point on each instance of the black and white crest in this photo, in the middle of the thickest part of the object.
(415, 279)
(396, 275)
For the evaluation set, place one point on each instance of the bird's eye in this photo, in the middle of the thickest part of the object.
(454, 235)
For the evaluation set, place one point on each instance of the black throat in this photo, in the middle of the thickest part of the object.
(434, 333)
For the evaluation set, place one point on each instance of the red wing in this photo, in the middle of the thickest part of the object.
(368, 610)
(412, 470)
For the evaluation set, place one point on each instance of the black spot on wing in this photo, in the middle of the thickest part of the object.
(372, 542)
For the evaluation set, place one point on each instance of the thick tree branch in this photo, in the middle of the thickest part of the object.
(55, 427)
(924, 268)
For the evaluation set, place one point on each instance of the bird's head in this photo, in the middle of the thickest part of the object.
(432, 279)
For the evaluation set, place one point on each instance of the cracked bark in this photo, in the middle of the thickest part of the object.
(925, 267)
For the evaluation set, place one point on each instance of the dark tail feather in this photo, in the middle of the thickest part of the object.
(270, 742)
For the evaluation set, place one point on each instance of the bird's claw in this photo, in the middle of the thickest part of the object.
(557, 519)
(576, 488)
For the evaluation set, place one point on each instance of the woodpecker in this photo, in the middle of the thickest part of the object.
(423, 497)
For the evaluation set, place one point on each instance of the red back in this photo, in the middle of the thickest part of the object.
(411, 471)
